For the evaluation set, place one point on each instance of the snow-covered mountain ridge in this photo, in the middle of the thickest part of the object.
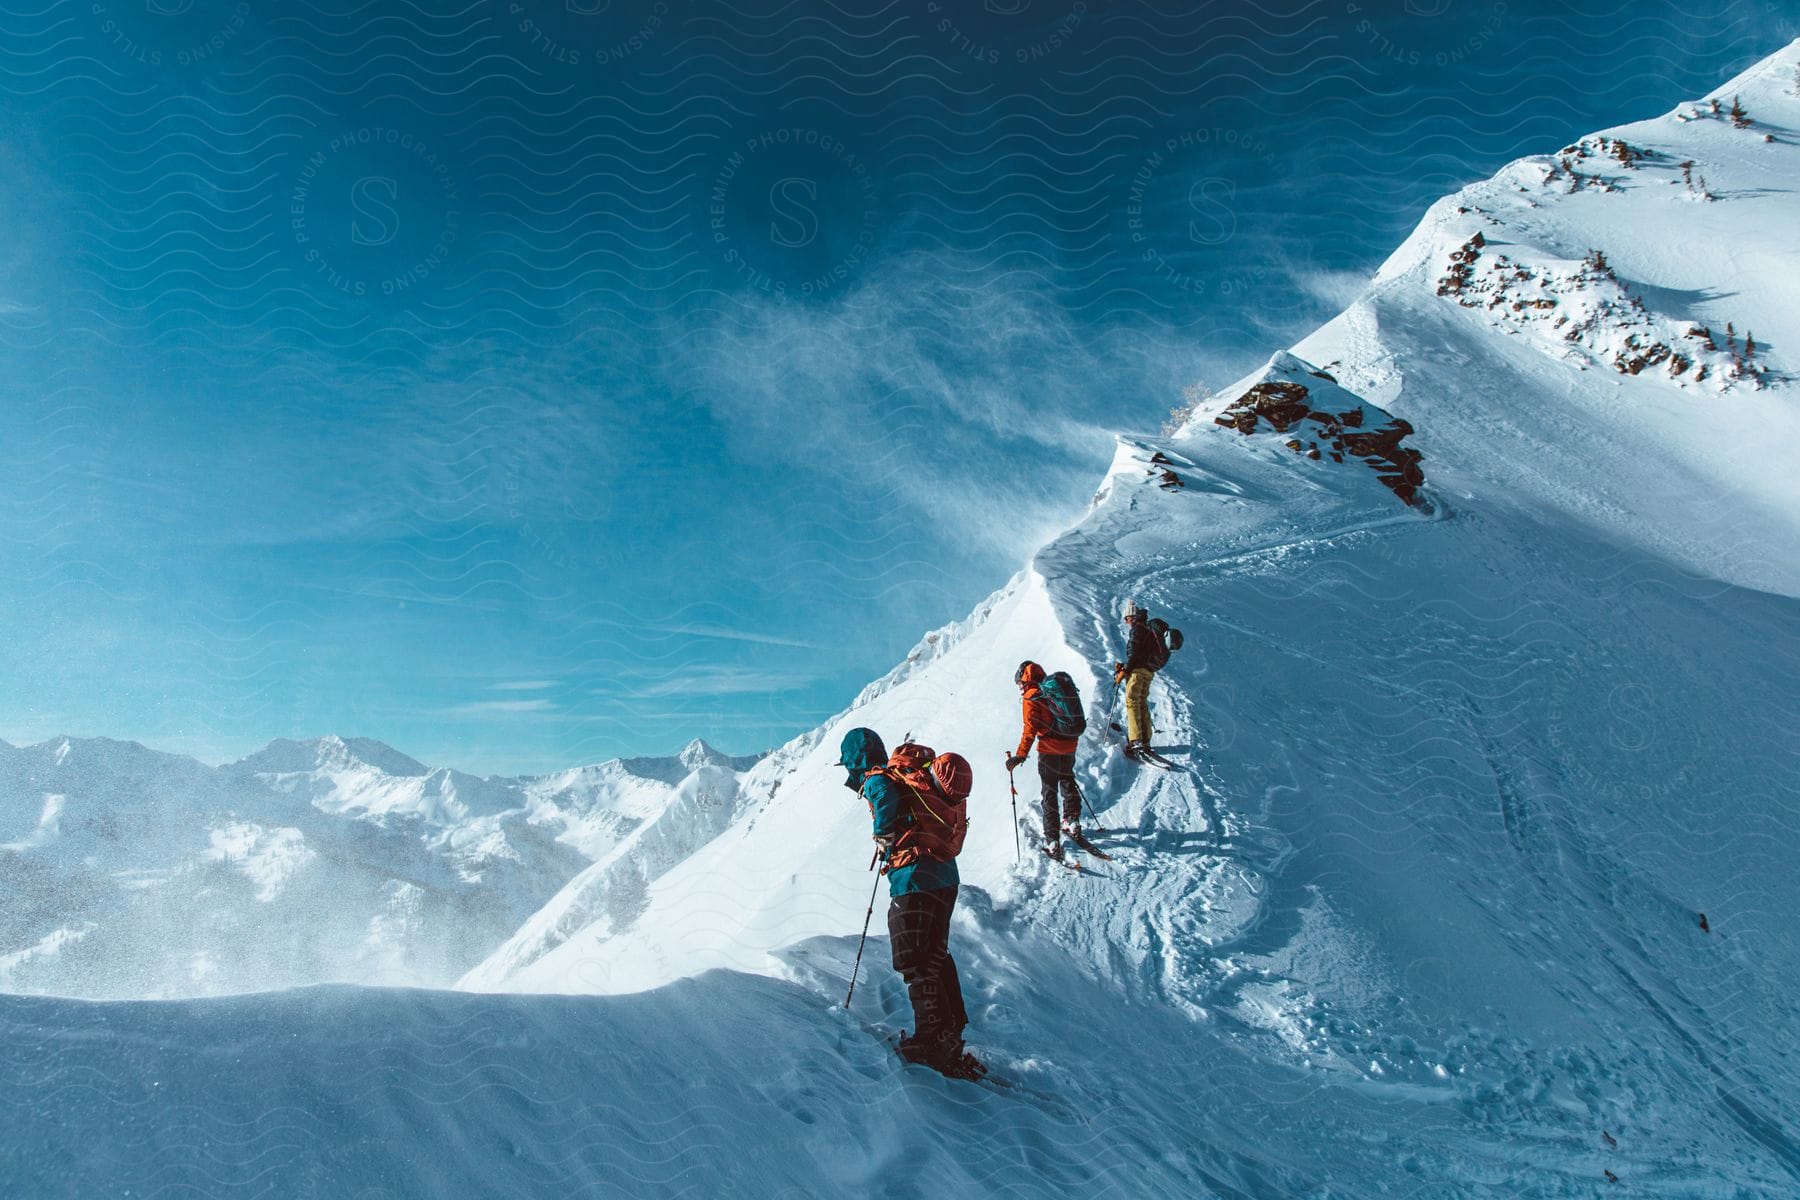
(1628, 248)
(143, 873)
(1633, 298)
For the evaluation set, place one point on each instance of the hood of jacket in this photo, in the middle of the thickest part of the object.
(859, 753)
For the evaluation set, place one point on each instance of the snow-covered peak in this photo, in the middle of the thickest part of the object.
(1629, 185)
(100, 758)
(330, 753)
(672, 769)
(698, 753)
(1773, 75)
(363, 775)
(1601, 329)
(1648, 250)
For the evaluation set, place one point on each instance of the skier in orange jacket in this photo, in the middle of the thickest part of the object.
(1056, 757)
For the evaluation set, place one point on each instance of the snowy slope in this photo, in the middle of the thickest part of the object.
(137, 873)
(611, 892)
(1474, 878)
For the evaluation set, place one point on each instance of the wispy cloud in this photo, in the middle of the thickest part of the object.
(724, 681)
(524, 685)
(694, 629)
(481, 708)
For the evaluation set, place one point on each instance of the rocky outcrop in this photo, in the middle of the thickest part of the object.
(1286, 406)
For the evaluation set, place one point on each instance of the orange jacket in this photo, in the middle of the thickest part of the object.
(1038, 724)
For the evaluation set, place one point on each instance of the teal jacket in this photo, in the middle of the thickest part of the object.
(861, 753)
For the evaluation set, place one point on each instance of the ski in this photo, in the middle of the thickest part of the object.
(1004, 1085)
(1087, 847)
(999, 1083)
(1151, 758)
(1066, 863)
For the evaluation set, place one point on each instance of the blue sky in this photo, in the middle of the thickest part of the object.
(525, 385)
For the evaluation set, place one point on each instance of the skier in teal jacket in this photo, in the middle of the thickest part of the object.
(922, 895)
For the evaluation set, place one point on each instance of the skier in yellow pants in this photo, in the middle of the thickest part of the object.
(1145, 655)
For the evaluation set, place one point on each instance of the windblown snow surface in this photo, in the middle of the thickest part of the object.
(1475, 877)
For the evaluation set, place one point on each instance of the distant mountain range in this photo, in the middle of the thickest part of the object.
(138, 873)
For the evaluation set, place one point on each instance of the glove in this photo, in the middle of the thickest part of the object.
(1013, 760)
(1118, 672)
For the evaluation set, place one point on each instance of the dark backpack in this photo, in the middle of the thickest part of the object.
(1168, 640)
(1059, 693)
(937, 789)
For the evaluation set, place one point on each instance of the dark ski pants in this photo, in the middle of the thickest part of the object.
(1057, 773)
(919, 927)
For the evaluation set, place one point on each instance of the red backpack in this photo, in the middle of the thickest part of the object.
(936, 787)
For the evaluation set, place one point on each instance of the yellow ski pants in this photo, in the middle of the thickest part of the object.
(1137, 705)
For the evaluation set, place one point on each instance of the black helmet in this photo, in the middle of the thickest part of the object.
(1028, 672)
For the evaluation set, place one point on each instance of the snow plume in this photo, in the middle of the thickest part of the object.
(978, 403)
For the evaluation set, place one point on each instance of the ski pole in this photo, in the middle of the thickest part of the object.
(1018, 854)
(1088, 808)
(867, 917)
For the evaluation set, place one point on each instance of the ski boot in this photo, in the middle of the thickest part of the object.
(943, 1053)
(960, 1064)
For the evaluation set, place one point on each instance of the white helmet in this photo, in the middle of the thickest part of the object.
(1131, 610)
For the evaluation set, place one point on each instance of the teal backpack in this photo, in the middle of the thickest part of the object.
(1068, 720)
